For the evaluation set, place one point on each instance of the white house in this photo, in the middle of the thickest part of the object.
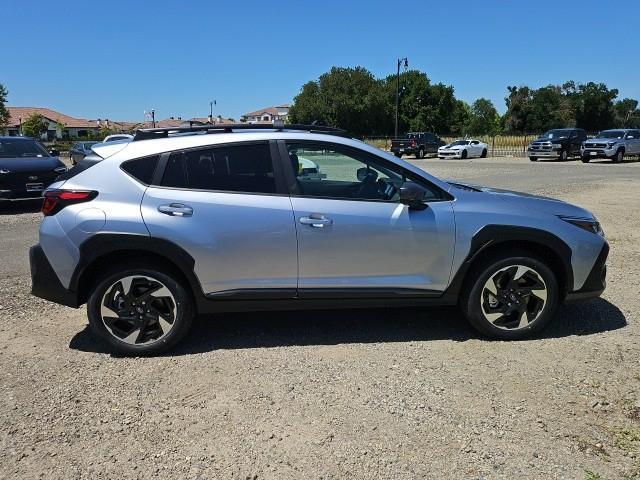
(267, 114)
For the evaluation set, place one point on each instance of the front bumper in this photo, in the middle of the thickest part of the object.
(45, 283)
(19, 195)
(543, 153)
(595, 152)
(596, 282)
(449, 153)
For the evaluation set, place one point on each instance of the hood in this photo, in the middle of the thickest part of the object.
(528, 201)
(602, 140)
(449, 147)
(30, 164)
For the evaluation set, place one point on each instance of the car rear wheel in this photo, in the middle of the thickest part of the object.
(399, 155)
(511, 297)
(420, 153)
(140, 310)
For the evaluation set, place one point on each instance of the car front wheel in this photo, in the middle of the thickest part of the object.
(511, 297)
(140, 310)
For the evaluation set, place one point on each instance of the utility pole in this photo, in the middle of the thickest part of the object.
(406, 65)
(211, 104)
(153, 117)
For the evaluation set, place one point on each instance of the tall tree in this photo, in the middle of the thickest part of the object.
(34, 126)
(4, 113)
(627, 113)
(484, 118)
(348, 98)
(517, 119)
(594, 108)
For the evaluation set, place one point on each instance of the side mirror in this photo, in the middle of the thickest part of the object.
(412, 195)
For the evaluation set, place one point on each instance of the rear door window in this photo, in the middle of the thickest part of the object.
(230, 168)
(142, 169)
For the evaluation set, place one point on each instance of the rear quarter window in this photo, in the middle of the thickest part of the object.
(142, 169)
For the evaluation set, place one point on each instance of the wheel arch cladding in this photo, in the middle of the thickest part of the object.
(102, 251)
(492, 239)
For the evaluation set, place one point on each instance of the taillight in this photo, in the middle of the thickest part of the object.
(413, 143)
(56, 200)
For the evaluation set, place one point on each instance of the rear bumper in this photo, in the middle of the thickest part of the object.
(596, 282)
(45, 283)
(404, 150)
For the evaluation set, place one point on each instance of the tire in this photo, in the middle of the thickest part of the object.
(484, 153)
(619, 156)
(156, 333)
(564, 156)
(420, 153)
(533, 159)
(585, 159)
(526, 313)
(464, 154)
(399, 155)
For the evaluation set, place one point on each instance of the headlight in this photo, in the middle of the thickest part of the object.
(556, 145)
(611, 144)
(589, 224)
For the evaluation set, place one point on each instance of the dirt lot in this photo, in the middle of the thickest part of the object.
(397, 393)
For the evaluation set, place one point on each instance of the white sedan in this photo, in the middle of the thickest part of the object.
(464, 149)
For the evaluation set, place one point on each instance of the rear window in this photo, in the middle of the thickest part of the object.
(19, 148)
(235, 168)
(141, 169)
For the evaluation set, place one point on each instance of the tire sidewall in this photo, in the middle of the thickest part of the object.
(471, 302)
(182, 322)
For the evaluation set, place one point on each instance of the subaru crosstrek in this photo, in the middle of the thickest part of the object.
(216, 219)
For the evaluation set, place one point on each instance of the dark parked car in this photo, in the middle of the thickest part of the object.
(80, 150)
(559, 143)
(416, 143)
(26, 168)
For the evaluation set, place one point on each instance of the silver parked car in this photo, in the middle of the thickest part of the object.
(79, 150)
(612, 145)
(178, 222)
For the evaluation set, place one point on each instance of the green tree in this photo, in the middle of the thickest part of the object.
(460, 118)
(484, 118)
(4, 113)
(34, 126)
(348, 98)
(550, 108)
(627, 113)
(594, 106)
(517, 119)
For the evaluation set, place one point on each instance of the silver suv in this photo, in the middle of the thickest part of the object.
(216, 219)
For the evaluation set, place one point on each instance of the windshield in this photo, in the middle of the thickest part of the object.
(459, 142)
(18, 148)
(611, 134)
(556, 134)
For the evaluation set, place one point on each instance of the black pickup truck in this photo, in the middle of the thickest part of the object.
(416, 143)
(559, 143)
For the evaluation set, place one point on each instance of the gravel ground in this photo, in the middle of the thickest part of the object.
(395, 393)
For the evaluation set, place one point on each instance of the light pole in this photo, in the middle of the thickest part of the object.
(406, 65)
(153, 117)
(211, 104)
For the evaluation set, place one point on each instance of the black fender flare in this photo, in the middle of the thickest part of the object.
(102, 244)
(492, 235)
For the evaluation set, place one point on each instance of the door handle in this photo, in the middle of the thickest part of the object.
(316, 221)
(176, 210)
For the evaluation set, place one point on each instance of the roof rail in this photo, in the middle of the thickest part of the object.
(150, 133)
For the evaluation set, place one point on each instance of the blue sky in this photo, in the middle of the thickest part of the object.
(115, 59)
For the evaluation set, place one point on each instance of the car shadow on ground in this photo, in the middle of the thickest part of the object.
(20, 207)
(333, 327)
